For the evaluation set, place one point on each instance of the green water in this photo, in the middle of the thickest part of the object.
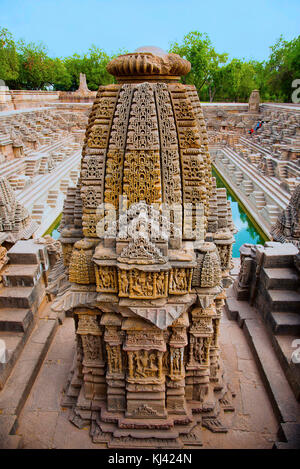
(247, 232)
(52, 230)
(55, 234)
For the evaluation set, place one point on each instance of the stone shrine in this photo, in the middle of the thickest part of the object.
(145, 285)
(287, 226)
(15, 220)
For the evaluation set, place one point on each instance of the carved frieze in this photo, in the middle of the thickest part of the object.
(106, 279)
(180, 281)
(139, 284)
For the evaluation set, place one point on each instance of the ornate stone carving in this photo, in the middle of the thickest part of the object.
(199, 350)
(114, 357)
(81, 269)
(287, 226)
(145, 63)
(141, 251)
(91, 347)
(144, 364)
(14, 217)
(139, 284)
(142, 176)
(180, 281)
(176, 363)
(106, 279)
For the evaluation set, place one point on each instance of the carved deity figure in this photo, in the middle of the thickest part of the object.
(145, 364)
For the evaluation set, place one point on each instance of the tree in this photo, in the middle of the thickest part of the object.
(93, 65)
(9, 63)
(236, 81)
(59, 76)
(283, 67)
(36, 68)
(205, 61)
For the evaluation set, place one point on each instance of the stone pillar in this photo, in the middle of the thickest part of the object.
(115, 373)
(175, 393)
(198, 366)
(254, 101)
(93, 364)
(214, 346)
(242, 285)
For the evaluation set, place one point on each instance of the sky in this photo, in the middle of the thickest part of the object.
(242, 29)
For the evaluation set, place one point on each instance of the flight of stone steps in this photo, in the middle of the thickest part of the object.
(20, 296)
(263, 197)
(274, 149)
(27, 328)
(49, 162)
(278, 298)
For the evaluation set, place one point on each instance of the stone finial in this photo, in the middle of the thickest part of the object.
(151, 63)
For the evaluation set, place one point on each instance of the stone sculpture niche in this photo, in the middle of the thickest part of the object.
(146, 305)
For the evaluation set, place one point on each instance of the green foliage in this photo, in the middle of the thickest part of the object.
(28, 66)
(197, 49)
(36, 68)
(216, 79)
(283, 67)
(236, 81)
(92, 64)
(9, 63)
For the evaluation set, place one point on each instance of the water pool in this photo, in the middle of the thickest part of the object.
(247, 231)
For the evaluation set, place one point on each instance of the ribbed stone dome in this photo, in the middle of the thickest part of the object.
(148, 62)
(147, 141)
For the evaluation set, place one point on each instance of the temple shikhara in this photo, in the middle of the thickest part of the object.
(146, 302)
(149, 264)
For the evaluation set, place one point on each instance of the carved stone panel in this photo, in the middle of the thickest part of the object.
(180, 281)
(144, 365)
(139, 284)
(106, 279)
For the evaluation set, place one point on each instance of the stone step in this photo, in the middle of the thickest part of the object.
(285, 278)
(279, 389)
(284, 323)
(288, 353)
(23, 275)
(22, 377)
(12, 319)
(11, 347)
(21, 297)
(289, 434)
(284, 300)
(272, 209)
(8, 438)
(13, 343)
(279, 255)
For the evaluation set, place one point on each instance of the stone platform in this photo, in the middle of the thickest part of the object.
(43, 423)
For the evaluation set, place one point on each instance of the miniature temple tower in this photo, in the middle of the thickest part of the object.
(147, 240)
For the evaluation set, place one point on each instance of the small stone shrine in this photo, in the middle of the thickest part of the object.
(287, 226)
(146, 295)
(15, 220)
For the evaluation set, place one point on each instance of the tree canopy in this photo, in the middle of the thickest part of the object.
(29, 66)
(217, 78)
